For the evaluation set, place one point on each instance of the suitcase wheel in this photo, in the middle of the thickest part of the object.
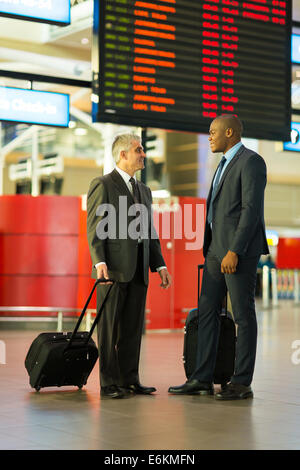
(80, 386)
(38, 388)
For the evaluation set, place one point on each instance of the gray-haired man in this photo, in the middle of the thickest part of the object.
(123, 245)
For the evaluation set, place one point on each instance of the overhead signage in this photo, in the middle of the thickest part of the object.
(294, 144)
(34, 107)
(45, 11)
(177, 64)
(295, 48)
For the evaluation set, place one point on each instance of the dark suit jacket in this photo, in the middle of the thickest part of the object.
(238, 208)
(120, 251)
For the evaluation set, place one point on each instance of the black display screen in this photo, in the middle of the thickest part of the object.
(177, 64)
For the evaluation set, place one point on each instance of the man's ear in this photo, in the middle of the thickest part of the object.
(123, 154)
(229, 132)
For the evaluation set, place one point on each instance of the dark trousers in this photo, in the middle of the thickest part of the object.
(241, 288)
(120, 329)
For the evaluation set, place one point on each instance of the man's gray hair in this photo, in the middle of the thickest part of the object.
(123, 142)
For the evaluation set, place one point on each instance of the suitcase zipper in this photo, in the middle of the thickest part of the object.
(57, 339)
(54, 337)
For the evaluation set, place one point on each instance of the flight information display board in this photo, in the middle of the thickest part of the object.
(177, 64)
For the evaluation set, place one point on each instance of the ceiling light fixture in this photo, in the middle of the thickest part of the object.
(80, 131)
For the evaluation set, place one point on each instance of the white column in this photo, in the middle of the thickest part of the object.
(34, 159)
(59, 322)
(296, 286)
(274, 287)
(88, 320)
(108, 163)
(265, 286)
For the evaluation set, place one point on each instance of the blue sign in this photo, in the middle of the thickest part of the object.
(34, 107)
(294, 144)
(46, 11)
(295, 48)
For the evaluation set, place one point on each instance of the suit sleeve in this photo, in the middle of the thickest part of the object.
(253, 182)
(96, 195)
(156, 259)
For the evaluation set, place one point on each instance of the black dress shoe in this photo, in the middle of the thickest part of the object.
(234, 392)
(139, 389)
(193, 387)
(111, 391)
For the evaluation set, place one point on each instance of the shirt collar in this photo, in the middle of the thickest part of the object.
(126, 177)
(232, 151)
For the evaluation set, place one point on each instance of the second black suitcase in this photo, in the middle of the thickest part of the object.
(58, 359)
(226, 348)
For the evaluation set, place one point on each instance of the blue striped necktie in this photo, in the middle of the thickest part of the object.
(215, 187)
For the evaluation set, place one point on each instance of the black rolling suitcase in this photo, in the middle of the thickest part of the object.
(58, 359)
(226, 348)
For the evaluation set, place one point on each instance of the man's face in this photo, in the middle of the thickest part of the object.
(135, 157)
(218, 138)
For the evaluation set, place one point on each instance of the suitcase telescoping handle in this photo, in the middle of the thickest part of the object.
(201, 266)
(98, 281)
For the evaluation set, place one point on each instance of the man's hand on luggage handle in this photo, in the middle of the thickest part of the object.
(229, 263)
(165, 278)
(102, 272)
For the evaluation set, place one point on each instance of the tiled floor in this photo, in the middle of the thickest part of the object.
(71, 419)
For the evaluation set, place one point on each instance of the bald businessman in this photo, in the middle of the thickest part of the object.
(123, 246)
(234, 239)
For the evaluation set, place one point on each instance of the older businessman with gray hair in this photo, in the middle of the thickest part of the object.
(124, 253)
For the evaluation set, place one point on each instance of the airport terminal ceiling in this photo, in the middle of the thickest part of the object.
(49, 50)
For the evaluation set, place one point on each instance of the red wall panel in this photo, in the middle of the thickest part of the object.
(288, 253)
(188, 254)
(45, 260)
(159, 311)
(38, 254)
(39, 251)
(182, 251)
(85, 282)
(39, 215)
(38, 291)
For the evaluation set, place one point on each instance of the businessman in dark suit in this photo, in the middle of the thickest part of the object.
(123, 245)
(234, 239)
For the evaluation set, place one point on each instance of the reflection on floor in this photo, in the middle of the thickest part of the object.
(71, 419)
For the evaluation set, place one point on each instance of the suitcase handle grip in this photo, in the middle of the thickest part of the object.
(98, 281)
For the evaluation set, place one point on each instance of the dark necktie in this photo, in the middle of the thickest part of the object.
(215, 187)
(137, 200)
(135, 191)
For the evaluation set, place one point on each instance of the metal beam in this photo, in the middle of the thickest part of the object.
(32, 77)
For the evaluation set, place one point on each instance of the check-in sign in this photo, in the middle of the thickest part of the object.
(46, 11)
(294, 144)
(34, 107)
(295, 42)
